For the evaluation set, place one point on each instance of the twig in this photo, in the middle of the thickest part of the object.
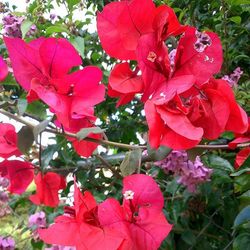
(106, 142)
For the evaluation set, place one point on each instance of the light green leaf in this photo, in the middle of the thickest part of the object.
(83, 133)
(25, 27)
(56, 29)
(131, 162)
(236, 19)
(78, 43)
(71, 3)
(21, 106)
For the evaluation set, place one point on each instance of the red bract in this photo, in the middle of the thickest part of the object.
(241, 157)
(81, 227)
(19, 173)
(47, 187)
(3, 69)
(143, 203)
(181, 122)
(120, 25)
(124, 83)
(8, 141)
(40, 67)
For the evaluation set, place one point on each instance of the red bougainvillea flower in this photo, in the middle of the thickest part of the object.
(124, 83)
(241, 157)
(163, 74)
(80, 226)
(143, 203)
(47, 187)
(142, 212)
(40, 68)
(121, 24)
(19, 173)
(8, 141)
(181, 122)
(3, 69)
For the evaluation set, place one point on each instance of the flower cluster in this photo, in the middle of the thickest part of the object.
(183, 101)
(189, 173)
(41, 69)
(12, 26)
(7, 243)
(37, 220)
(233, 78)
(138, 224)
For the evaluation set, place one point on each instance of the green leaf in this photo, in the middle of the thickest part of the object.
(22, 106)
(37, 109)
(71, 3)
(83, 133)
(47, 155)
(194, 152)
(56, 29)
(240, 172)
(131, 162)
(158, 154)
(78, 43)
(242, 217)
(188, 237)
(242, 241)
(236, 19)
(242, 183)
(220, 163)
(25, 27)
(25, 139)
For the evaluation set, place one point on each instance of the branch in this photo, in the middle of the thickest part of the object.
(107, 142)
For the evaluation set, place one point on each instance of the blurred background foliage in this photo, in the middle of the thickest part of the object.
(217, 215)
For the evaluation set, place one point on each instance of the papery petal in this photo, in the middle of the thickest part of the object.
(120, 24)
(146, 191)
(123, 98)
(203, 65)
(19, 173)
(238, 120)
(166, 23)
(86, 148)
(64, 231)
(150, 229)
(58, 56)
(48, 186)
(233, 144)
(25, 61)
(180, 124)
(122, 79)
(155, 124)
(3, 69)
(176, 141)
(8, 141)
(241, 157)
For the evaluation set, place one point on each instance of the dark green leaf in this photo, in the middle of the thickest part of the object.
(25, 138)
(131, 162)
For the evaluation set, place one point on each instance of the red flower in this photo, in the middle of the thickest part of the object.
(19, 173)
(8, 141)
(3, 69)
(80, 226)
(120, 25)
(142, 207)
(47, 187)
(40, 67)
(180, 123)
